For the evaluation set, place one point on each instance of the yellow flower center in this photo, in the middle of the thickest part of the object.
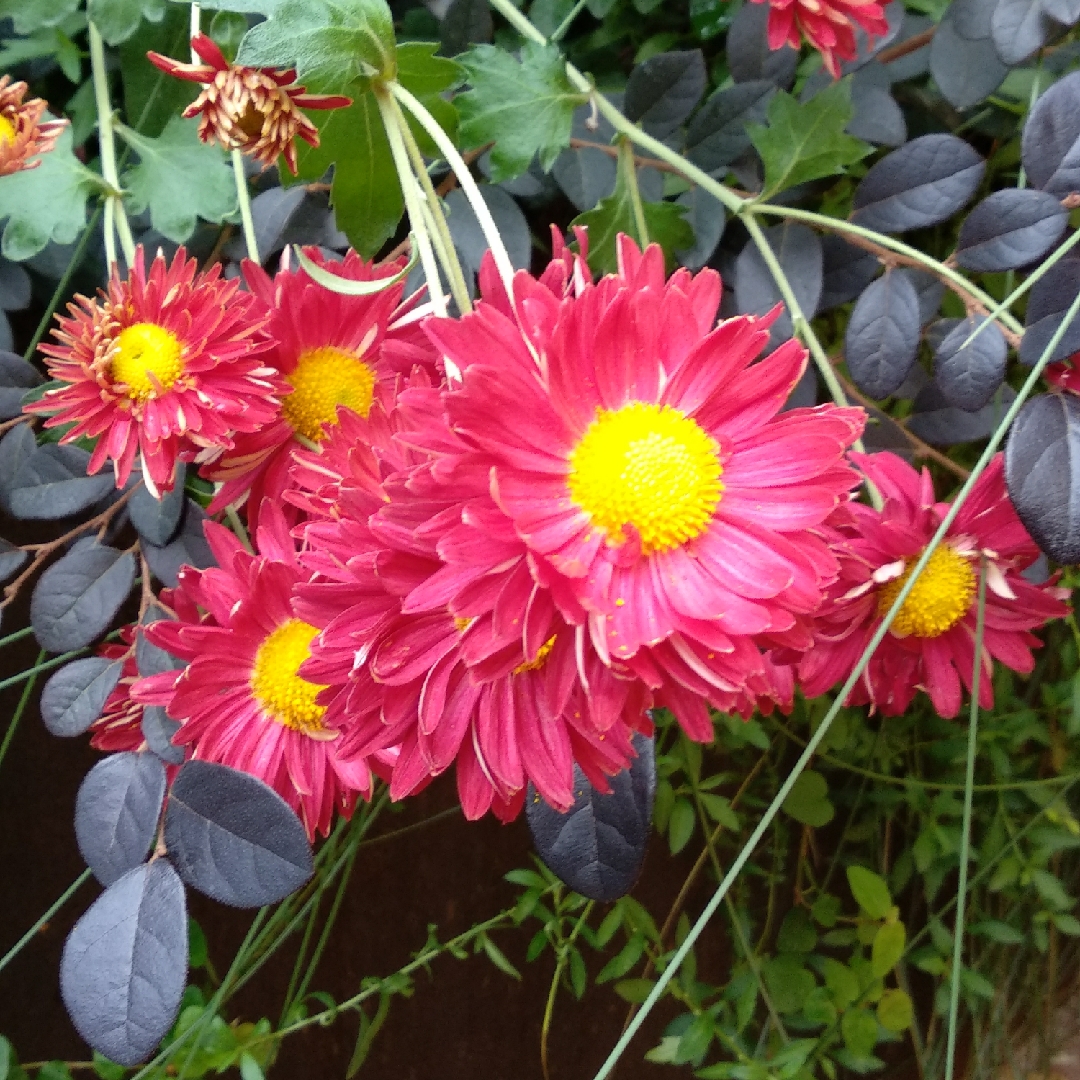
(539, 659)
(7, 131)
(148, 360)
(648, 466)
(289, 699)
(939, 599)
(322, 380)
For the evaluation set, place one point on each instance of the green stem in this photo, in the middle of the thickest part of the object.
(32, 673)
(414, 210)
(569, 20)
(629, 172)
(468, 184)
(17, 636)
(243, 197)
(965, 830)
(19, 945)
(16, 716)
(114, 207)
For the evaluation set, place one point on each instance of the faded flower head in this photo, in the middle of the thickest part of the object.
(256, 110)
(826, 25)
(22, 135)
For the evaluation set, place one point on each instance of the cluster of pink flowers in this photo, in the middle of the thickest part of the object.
(605, 510)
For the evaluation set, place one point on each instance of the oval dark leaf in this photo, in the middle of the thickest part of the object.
(705, 215)
(847, 271)
(158, 730)
(877, 117)
(798, 250)
(748, 54)
(716, 136)
(271, 212)
(662, 92)
(969, 375)
(149, 659)
(124, 966)
(469, 238)
(920, 184)
(937, 422)
(52, 483)
(1050, 299)
(117, 811)
(598, 845)
(17, 446)
(966, 70)
(1018, 27)
(15, 288)
(233, 837)
(76, 598)
(883, 335)
(188, 548)
(16, 377)
(971, 18)
(1042, 471)
(11, 559)
(1049, 149)
(1009, 229)
(1065, 12)
(156, 520)
(74, 696)
(928, 289)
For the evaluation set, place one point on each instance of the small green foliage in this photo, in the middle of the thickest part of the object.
(859, 1029)
(808, 801)
(524, 106)
(887, 948)
(45, 203)
(895, 1011)
(870, 891)
(179, 179)
(31, 15)
(805, 140)
(330, 43)
(7, 1057)
(117, 20)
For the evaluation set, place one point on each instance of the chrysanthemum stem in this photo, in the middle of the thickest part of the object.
(30, 934)
(243, 197)
(629, 172)
(415, 211)
(965, 830)
(16, 716)
(815, 740)
(468, 185)
(115, 217)
(440, 232)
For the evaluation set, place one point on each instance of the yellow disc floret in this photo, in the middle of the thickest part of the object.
(289, 699)
(538, 661)
(7, 131)
(939, 599)
(648, 466)
(322, 380)
(148, 360)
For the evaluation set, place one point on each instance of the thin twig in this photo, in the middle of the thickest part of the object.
(905, 48)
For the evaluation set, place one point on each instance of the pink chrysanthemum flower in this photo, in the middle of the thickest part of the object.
(255, 110)
(488, 677)
(331, 351)
(931, 643)
(22, 134)
(639, 453)
(163, 366)
(826, 25)
(240, 701)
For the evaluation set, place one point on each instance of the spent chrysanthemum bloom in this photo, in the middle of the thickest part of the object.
(332, 351)
(22, 134)
(258, 111)
(450, 660)
(642, 456)
(240, 700)
(160, 367)
(931, 643)
(826, 25)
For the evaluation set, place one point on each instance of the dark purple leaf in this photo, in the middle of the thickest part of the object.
(74, 696)
(968, 375)
(1010, 229)
(663, 90)
(883, 335)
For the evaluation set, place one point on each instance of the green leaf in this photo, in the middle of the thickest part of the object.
(427, 77)
(1067, 924)
(894, 1011)
(117, 20)
(624, 960)
(365, 192)
(249, 1068)
(579, 977)
(997, 931)
(7, 1051)
(681, 825)
(808, 800)
(45, 203)
(797, 933)
(54, 1070)
(859, 1029)
(180, 179)
(103, 1067)
(665, 222)
(525, 107)
(806, 141)
(498, 957)
(719, 809)
(606, 931)
(788, 982)
(1049, 888)
(31, 15)
(198, 952)
(842, 983)
(826, 910)
(870, 891)
(331, 43)
(695, 1040)
(634, 990)
(887, 949)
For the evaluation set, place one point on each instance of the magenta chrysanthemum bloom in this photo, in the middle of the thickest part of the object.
(641, 456)
(162, 367)
(331, 351)
(453, 660)
(931, 643)
(240, 701)
(826, 25)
